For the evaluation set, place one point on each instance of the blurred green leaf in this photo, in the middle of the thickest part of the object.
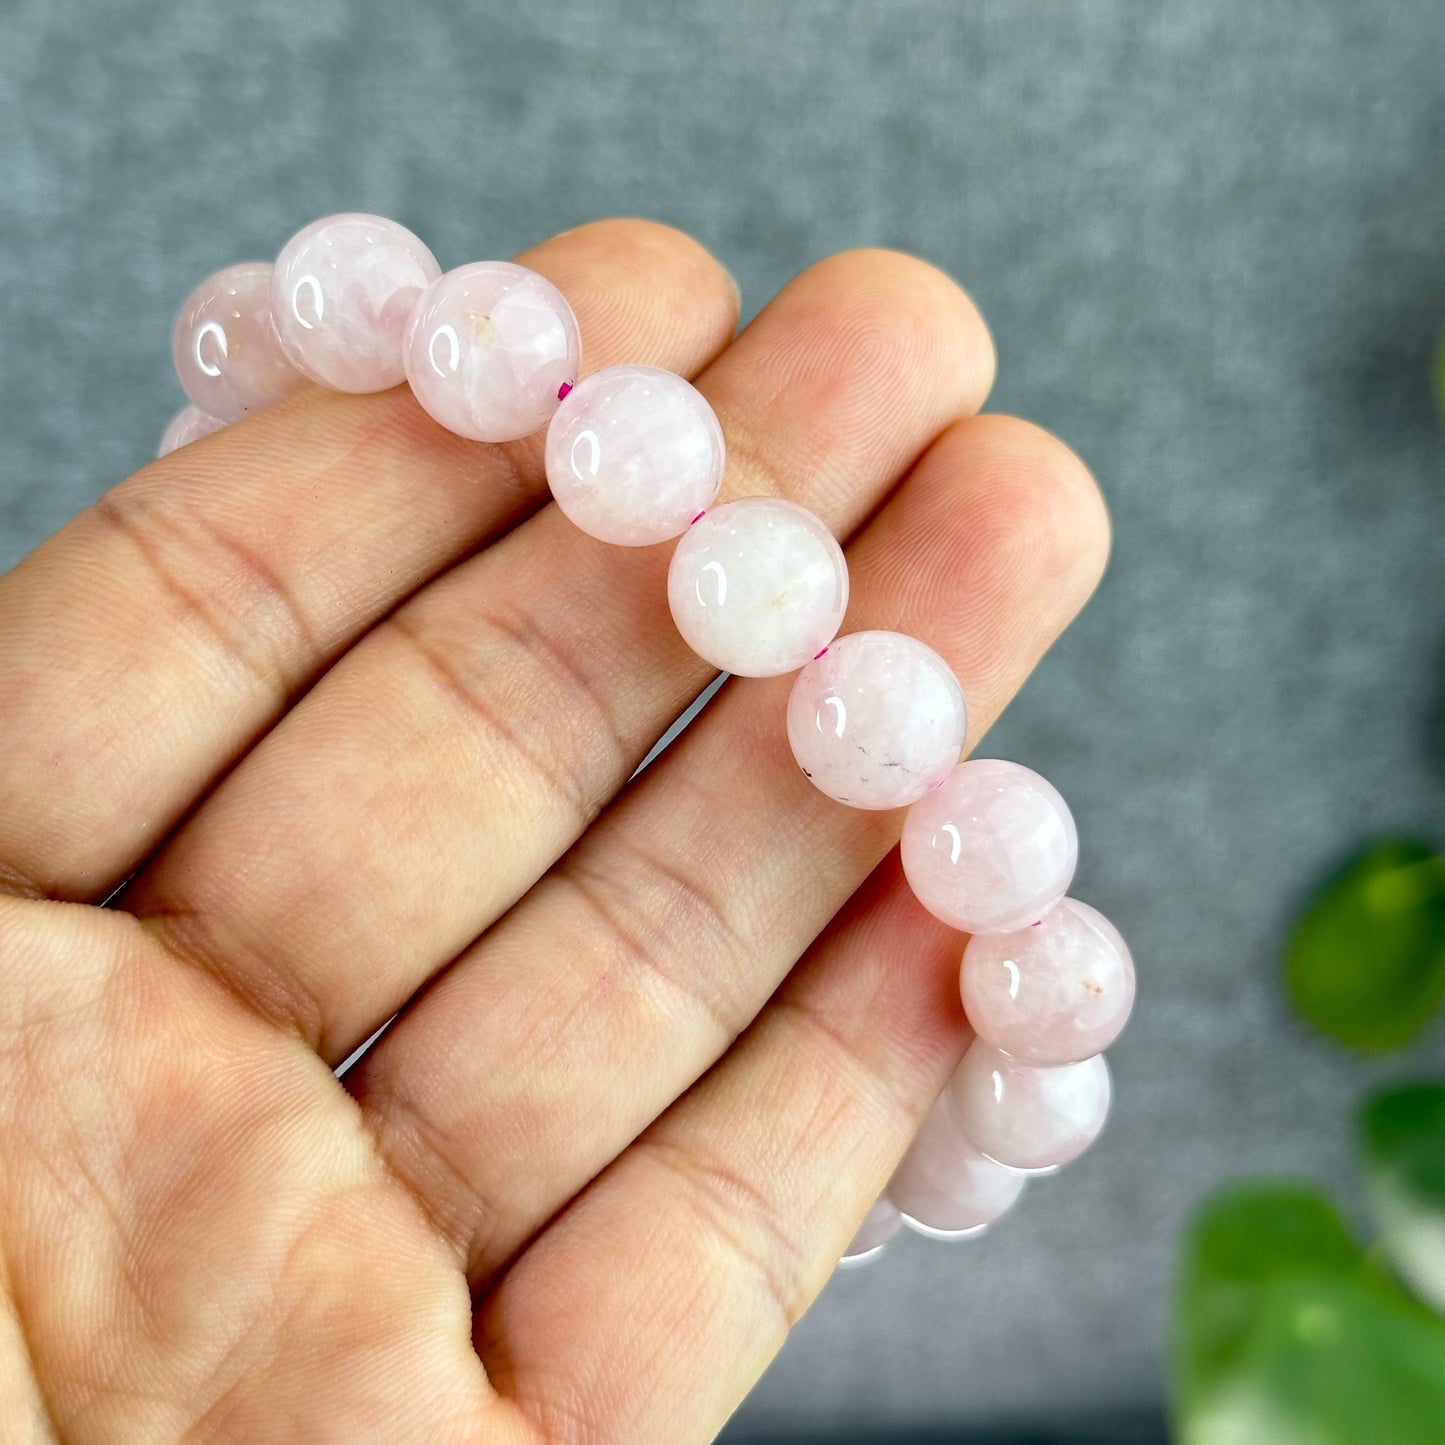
(1437, 376)
(1287, 1334)
(1367, 961)
(1402, 1140)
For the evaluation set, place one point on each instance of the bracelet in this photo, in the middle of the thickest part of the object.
(758, 587)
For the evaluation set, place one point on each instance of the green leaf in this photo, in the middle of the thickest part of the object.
(1286, 1334)
(1402, 1141)
(1367, 961)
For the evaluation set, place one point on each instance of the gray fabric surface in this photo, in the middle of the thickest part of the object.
(1211, 241)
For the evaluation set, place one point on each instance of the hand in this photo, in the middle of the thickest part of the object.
(355, 715)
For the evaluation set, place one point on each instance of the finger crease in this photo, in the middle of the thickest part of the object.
(667, 915)
(744, 1218)
(582, 804)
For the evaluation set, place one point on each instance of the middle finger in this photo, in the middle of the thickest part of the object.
(444, 765)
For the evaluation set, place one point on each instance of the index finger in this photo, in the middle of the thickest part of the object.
(149, 643)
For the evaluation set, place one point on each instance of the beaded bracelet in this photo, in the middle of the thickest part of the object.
(758, 587)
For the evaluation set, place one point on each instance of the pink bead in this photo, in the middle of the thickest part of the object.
(224, 347)
(1056, 993)
(342, 294)
(944, 1187)
(758, 586)
(188, 425)
(877, 721)
(634, 453)
(992, 850)
(488, 348)
(879, 1225)
(1027, 1118)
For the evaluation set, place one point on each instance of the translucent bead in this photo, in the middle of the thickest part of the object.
(879, 1225)
(758, 586)
(1027, 1118)
(991, 850)
(877, 721)
(634, 453)
(944, 1187)
(227, 357)
(189, 424)
(342, 294)
(488, 348)
(1056, 993)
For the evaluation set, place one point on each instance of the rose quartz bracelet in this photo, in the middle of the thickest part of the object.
(758, 587)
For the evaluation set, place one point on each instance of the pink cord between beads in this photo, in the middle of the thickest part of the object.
(563, 390)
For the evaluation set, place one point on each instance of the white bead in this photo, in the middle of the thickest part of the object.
(877, 721)
(758, 586)
(342, 294)
(944, 1187)
(188, 425)
(634, 453)
(991, 850)
(879, 1225)
(489, 347)
(1027, 1118)
(1055, 993)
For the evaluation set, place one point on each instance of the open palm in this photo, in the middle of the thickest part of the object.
(355, 713)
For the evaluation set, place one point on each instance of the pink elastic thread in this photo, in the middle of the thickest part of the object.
(563, 390)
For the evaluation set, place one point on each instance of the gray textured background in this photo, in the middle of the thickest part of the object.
(1211, 241)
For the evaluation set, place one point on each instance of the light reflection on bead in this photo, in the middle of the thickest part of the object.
(634, 453)
(1027, 1118)
(224, 348)
(879, 1225)
(342, 294)
(488, 348)
(1055, 993)
(758, 586)
(188, 425)
(991, 850)
(944, 1188)
(877, 721)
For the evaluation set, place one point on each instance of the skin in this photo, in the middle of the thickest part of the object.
(354, 713)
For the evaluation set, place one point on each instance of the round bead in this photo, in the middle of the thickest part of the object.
(634, 453)
(944, 1187)
(488, 348)
(877, 721)
(879, 1225)
(1056, 993)
(1027, 1118)
(991, 850)
(758, 586)
(188, 425)
(224, 348)
(342, 292)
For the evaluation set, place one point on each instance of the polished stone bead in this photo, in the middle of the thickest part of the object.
(189, 424)
(634, 453)
(1054, 993)
(758, 586)
(488, 348)
(991, 850)
(1027, 1118)
(944, 1188)
(879, 1225)
(224, 347)
(877, 721)
(342, 293)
